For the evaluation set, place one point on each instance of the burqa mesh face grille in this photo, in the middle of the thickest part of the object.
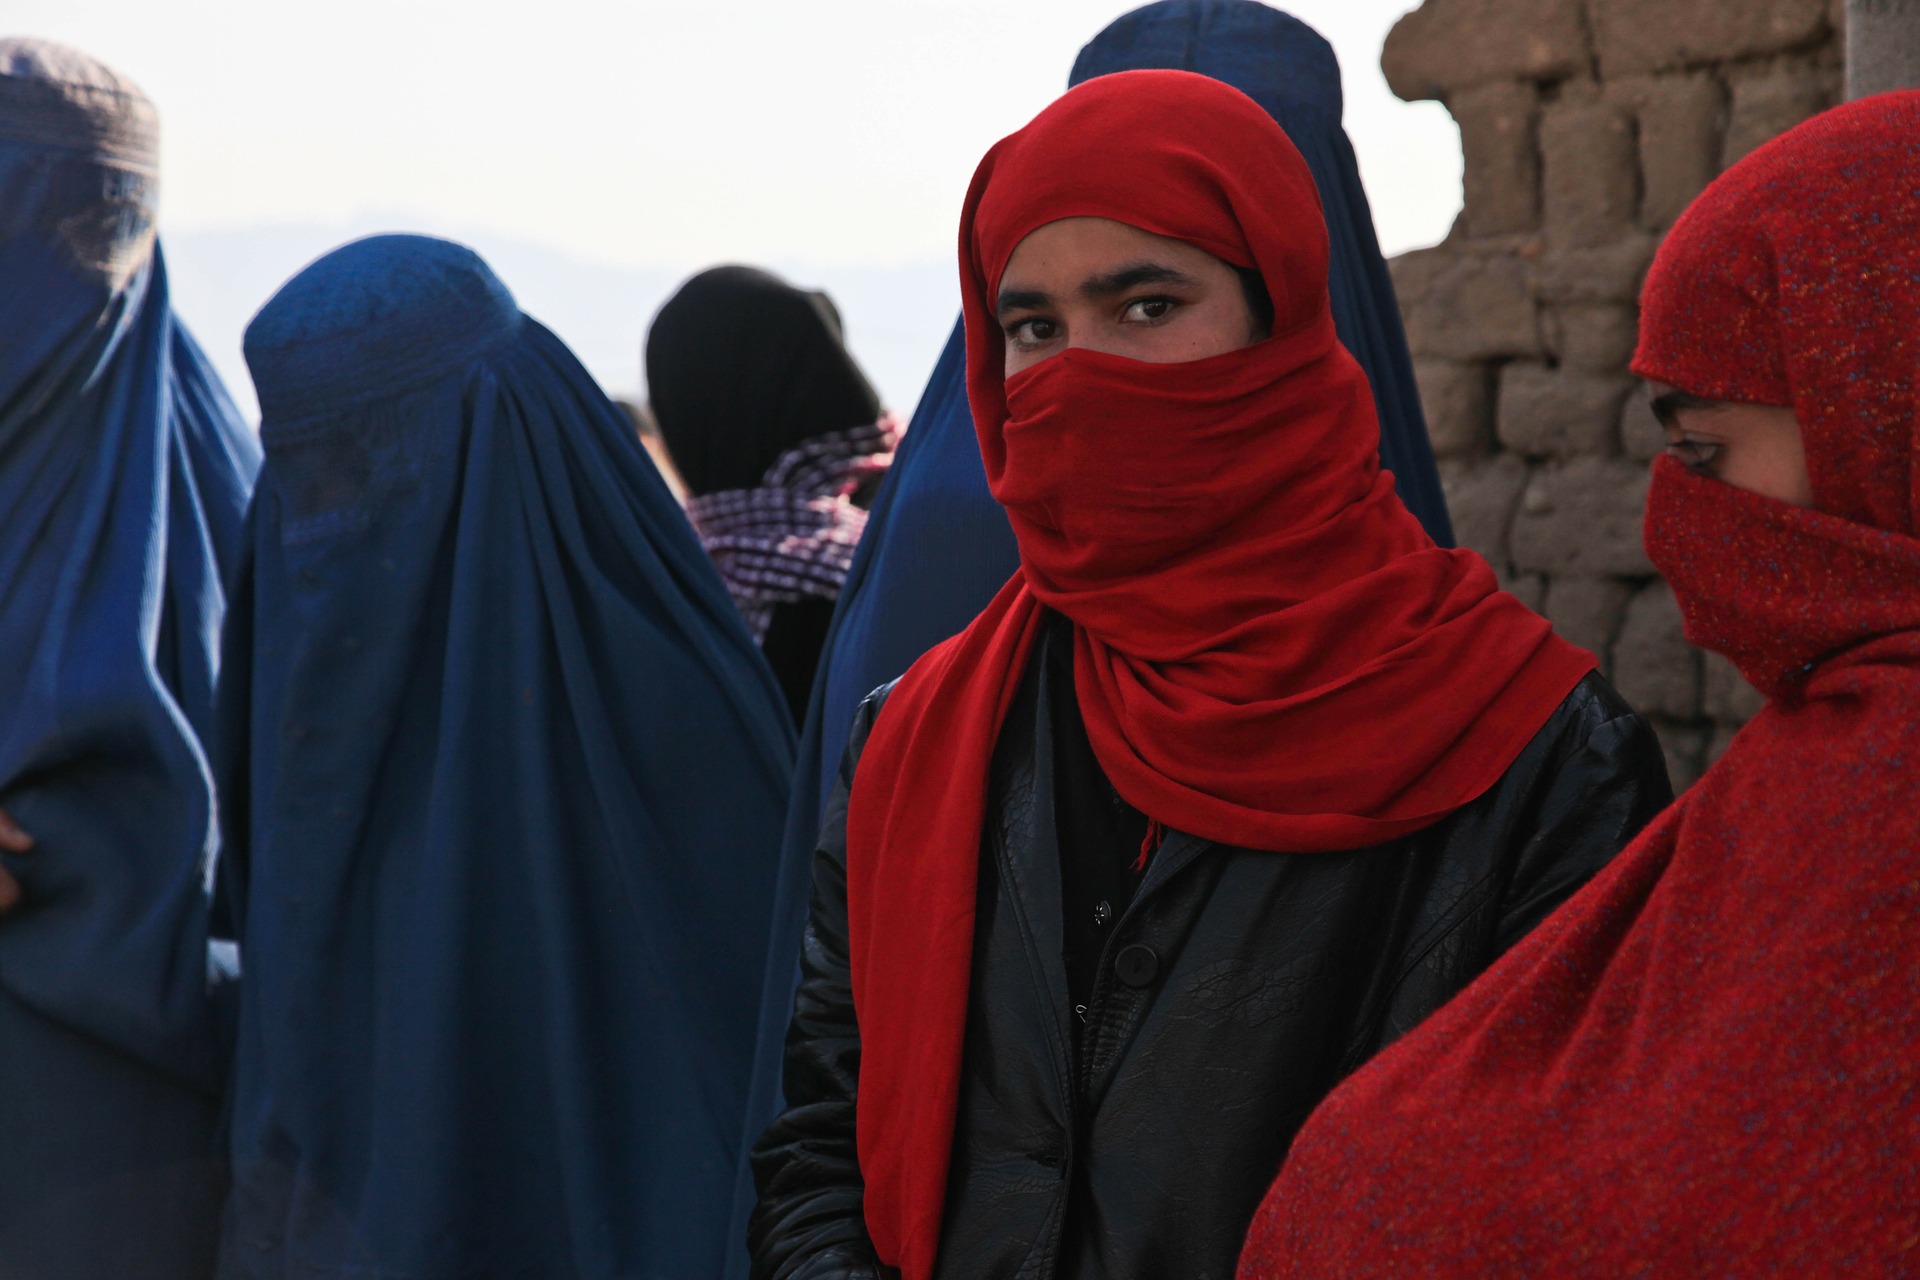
(510, 771)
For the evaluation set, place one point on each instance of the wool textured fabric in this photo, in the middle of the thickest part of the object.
(742, 367)
(1271, 654)
(505, 777)
(794, 535)
(938, 547)
(124, 475)
(1708, 1062)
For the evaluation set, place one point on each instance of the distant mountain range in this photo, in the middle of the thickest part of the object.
(897, 317)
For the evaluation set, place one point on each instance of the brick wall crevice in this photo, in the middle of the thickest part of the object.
(1587, 126)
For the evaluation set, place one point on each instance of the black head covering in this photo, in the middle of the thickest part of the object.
(741, 367)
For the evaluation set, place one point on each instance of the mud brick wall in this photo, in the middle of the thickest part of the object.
(1588, 126)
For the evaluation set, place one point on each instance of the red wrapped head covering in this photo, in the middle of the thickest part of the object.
(1708, 1061)
(1270, 652)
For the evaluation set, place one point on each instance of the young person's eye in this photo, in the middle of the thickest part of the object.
(1033, 331)
(1150, 310)
(1696, 455)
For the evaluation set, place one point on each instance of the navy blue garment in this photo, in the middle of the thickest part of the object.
(944, 548)
(124, 474)
(505, 779)
(1289, 68)
(937, 546)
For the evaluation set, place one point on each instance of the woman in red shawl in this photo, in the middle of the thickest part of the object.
(1237, 779)
(1708, 1063)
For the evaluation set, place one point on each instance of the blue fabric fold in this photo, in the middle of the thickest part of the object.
(937, 546)
(506, 778)
(124, 475)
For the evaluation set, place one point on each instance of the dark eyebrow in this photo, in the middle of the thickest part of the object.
(1666, 406)
(1021, 300)
(1098, 288)
(1132, 277)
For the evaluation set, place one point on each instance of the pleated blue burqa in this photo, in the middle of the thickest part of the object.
(506, 778)
(937, 545)
(124, 473)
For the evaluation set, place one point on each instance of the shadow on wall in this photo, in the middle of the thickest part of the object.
(1588, 126)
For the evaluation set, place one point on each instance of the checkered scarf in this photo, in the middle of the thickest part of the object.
(793, 536)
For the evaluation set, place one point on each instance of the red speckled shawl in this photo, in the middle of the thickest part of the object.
(1708, 1062)
(1271, 652)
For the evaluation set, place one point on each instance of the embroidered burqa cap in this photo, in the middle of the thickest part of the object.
(505, 778)
(124, 475)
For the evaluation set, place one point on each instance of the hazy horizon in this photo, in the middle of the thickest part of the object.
(897, 317)
(603, 154)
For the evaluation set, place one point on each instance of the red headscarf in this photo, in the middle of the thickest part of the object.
(1270, 652)
(1708, 1062)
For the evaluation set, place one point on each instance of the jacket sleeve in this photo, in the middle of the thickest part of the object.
(809, 1223)
(1608, 780)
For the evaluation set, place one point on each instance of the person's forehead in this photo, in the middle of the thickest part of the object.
(1087, 242)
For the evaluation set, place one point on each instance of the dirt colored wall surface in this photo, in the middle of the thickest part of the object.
(1587, 125)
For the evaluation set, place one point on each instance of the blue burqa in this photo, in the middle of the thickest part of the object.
(124, 473)
(937, 546)
(505, 778)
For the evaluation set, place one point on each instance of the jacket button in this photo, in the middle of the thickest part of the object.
(1136, 965)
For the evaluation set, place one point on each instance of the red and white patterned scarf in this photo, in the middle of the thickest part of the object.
(794, 535)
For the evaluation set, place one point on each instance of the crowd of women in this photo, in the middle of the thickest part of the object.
(1102, 828)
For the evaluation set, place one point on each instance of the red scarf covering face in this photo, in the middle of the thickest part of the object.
(1708, 1061)
(1270, 651)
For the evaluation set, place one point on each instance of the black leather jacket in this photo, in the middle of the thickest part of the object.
(1237, 990)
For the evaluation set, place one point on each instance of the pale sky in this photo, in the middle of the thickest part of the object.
(607, 149)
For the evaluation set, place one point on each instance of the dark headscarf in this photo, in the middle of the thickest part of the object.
(741, 367)
(124, 473)
(780, 441)
(937, 545)
(507, 778)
